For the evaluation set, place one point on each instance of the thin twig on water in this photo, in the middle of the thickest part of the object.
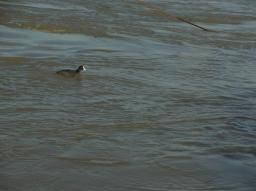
(168, 15)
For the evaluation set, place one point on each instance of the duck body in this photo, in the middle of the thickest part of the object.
(71, 73)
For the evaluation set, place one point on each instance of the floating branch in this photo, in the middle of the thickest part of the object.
(168, 15)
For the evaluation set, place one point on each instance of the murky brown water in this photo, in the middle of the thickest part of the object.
(162, 106)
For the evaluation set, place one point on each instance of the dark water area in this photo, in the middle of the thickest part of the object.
(163, 105)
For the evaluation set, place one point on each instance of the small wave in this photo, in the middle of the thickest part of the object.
(46, 6)
(93, 161)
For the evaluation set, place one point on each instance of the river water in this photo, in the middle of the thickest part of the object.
(162, 106)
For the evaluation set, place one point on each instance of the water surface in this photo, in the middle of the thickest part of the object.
(162, 106)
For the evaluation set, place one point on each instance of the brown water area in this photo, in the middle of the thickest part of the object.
(162, 106)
